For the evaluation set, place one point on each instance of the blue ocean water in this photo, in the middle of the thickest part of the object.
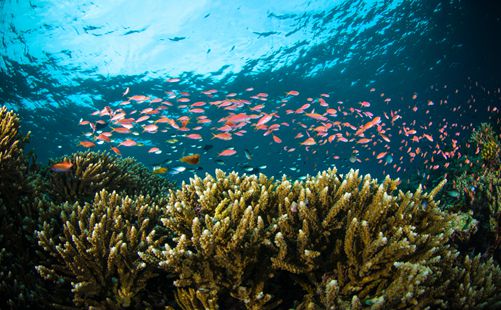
(387, 87)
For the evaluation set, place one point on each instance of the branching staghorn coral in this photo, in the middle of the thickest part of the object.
(222, 227)
(329, 242)
(356, 232)
(18, 284)
(13, 165)
(91, 172)
(97, 251)
(94, 171)
(474, 284)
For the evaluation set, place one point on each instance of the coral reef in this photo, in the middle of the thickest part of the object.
(331, 242)
(97, 251)
(109, 234)
(93, 171)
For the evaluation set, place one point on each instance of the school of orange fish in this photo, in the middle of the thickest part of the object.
(383, 129)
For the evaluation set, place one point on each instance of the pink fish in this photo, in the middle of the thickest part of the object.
(194, 136)
(227, 152)
(309, 141)
(128, 142)
(153, 150)
(152, 128)
(265, 119)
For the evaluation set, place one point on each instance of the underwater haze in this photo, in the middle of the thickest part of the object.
(280, 87)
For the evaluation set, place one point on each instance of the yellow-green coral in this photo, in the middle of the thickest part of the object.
(490, 150)
(97, 251)
(91, 172)
(13, 166)
(357, 232)
(331, 242)
(222, 227)
(18, 282)
(94, 171)
(486, 139)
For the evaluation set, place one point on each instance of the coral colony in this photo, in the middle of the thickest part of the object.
(93, 230)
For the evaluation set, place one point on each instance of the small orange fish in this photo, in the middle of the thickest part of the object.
(192, 159)
(64, 166)
(363, 141)
(222, 136)
(428, 137)
(365, 104)
(121, 130)
(142, 118)
(87, 144)
(227, 152)
(198, 104)
(277, 139)
(316, 116)
(197, 110)
(116, 150)
(194, 136)
(309, 141)
(153, 150)
(103, 137)
(381, 155)
(128, 142)
(151, 128)
(265, 119)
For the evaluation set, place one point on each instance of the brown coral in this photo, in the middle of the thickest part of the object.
(97, 250)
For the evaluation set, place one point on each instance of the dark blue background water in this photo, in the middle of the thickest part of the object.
(61, 61)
